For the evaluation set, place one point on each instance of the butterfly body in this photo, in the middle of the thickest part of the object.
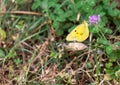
(80, 33)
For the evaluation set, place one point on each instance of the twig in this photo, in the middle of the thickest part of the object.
(69, 64)
(21, 12)
(101, 82)
(89, 51)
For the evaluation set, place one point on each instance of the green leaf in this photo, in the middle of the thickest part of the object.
(109, 50)
(117, 23)
(52, 16)
(108, 65)
(73, 18)
(79, 4)
(103, 41)
(68, 12)
(117, 43)
(117, 73)
(113, 12)
(36, 4)
(67, 26)
(17, 61)
(110, 73)
(44, 4)
(92, 2)
(20, 24)
(97, 10)
(94, 29)
(59, 11)
(60, 15)
(11, 54)
(112, 57)
(106, 2)
(107, 30)
(87, 8)
(59, 32)
(52, 3)
(69, 30)
(56, 24)
(114, 4)
(54, 54)
(2, 34)
(60, 19)
(88, 65)
(102, 14)
(2, 53)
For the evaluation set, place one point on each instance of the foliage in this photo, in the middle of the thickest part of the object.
(28, 50)
(64, 13)
(2, 34)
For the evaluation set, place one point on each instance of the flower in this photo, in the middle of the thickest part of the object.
(94, 19)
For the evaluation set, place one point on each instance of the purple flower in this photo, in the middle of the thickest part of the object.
(94, 19)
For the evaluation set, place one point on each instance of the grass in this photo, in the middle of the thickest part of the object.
(32, 49)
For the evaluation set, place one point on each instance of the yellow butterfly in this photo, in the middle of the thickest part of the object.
(80, 33)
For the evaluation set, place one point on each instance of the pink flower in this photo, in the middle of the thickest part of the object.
(94, 19)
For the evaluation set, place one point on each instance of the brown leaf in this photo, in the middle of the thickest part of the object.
(75, 46)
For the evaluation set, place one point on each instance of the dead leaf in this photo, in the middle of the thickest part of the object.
(75, 46)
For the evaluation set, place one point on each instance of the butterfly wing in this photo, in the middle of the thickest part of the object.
(80, 33)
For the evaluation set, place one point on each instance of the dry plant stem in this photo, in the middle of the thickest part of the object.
(43, 74)
(115, 37)
(5, 79)
(39, 56)
(89, 51)
(41, 50)
(101, 83)
(44, 23)
(44, 45)
(88, 74)
(78, 17)
(108, 83)
(26, 44)
(90, 39)
(21, 12)
(69, 64)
